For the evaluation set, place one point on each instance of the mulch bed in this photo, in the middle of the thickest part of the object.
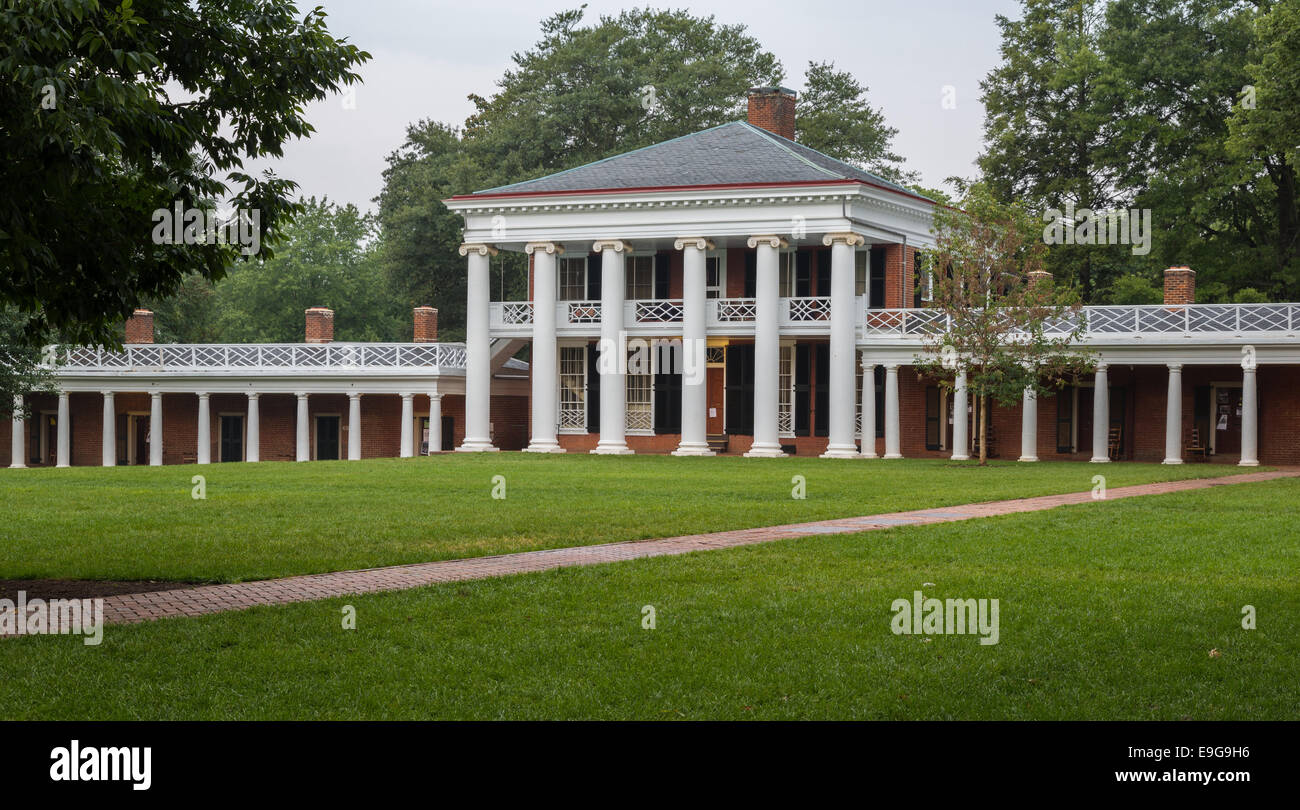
(83, 588)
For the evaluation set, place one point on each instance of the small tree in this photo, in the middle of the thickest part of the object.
(1006, 326)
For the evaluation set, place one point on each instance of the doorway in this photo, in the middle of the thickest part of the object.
(715, 384)
(1225, 419)
(231, 442)
(327, 437)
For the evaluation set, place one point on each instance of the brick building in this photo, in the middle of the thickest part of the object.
(768, 300)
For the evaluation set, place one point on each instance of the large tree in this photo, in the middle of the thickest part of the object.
(112, 111)
(328, 258)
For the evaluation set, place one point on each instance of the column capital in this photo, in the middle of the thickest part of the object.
(300, 394)
(254, 394)
(1102, 368)
(545, 247)
(106, 392)
(1245, 369)
(867, 363)
(843, 238)
(1175, 366)
(892, 367)
(406, 395)
(202, 394)
(435, 396)
(480, 248)
(616, 245)
(771, 240)
(354, 395)
(152, 394)
(697, 242)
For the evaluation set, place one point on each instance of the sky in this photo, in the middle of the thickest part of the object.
(922, 61)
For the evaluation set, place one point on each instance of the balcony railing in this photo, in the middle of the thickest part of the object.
(258, 357)
(1192, 320)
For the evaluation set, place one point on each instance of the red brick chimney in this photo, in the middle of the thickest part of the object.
(1180, 286)
(426, 325)
(139, 327)
(772, 108)
(320, 325)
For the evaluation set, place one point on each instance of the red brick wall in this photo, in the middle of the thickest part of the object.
(773, 110)
(899, 276)
(139, 327)
(1180, 286)
(320, 325)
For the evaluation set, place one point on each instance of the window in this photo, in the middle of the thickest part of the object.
(640, 278)
(924, 274)
(573, 278)
(640, 408)
(715, 276)
(787, 262)
(1065, 419)
(932, 423)
(861, 265)
(573, 388)
(785, 405)
(876, 278)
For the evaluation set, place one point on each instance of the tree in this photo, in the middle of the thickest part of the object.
(1005, 330)
(328, 258)
(1053, 123)
(1134, 289)
(835, 118)
(112, 112)
(21, 369)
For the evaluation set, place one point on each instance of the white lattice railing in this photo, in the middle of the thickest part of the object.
(155, 357)
(573, 416)
(803, 310)
(657, 311)
(583, 312)
(733, 310)
(640, 418)
(516, 313)
(785, 419)
(1154, 319)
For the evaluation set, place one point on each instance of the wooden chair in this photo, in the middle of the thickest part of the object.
(1193, 446)
(1114, 443)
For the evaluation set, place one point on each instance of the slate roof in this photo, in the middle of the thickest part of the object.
(734, 153)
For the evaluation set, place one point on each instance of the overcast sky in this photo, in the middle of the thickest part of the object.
(428, 55)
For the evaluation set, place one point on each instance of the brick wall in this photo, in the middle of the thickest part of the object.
(1180, 285)
(773, 109)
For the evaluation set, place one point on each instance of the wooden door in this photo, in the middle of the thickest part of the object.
(716, 386)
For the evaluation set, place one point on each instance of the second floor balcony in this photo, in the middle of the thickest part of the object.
(724, 316)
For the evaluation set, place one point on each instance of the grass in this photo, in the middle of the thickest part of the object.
(1109, 610)
(269, 520)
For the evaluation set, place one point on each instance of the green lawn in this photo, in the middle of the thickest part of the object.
(1108, 610)
(268, 520)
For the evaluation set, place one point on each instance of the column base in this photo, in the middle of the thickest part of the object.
(476, 446)
(62, 466)
(956, 457)
(1172, 461)
(693, 449)
(892, 455)
(17, 466)
(1099, 460)
(1027, 458)
(544, 446)
(620, 449)
(841, 451)
(765, 451)
(871, 455)
(1245, 463)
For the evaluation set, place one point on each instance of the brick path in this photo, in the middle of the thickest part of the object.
(140, 607)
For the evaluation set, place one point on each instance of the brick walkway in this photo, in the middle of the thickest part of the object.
(215, 598)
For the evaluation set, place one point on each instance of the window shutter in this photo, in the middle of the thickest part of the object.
(662, 272)
(803, 274)
(751, 274)
(822, 391)
(593, 279)
(802, 388)
(593, 389)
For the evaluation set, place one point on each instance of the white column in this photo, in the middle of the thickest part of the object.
(478, 352)
(892, 445)
(960, 420)
(1029, 425)
(435, 423)
(155, 430)
(843, 382)
(545, 400)
(1249, 418)
(1174, 416)
(695, 429)
(63, 446)
(204, 454)
(253, 430)
(354, 426)
(408, 426)
(1101, 417)
(613, 363)
(303, 445)
(767, 348)
(108, 454)
(18, 436)
(868, 408)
